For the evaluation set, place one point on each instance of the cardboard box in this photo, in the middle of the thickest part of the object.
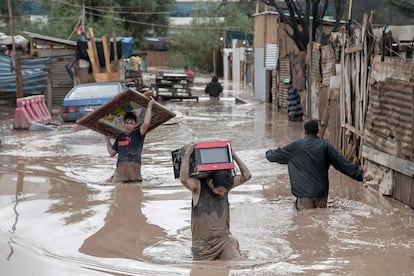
(108, 118)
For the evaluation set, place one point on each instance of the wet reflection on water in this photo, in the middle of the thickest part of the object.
(126, 232)
(59, 215)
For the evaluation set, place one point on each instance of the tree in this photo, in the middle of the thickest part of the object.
(19, 10)
(136, 18)
(146, 16)
(402, 12)
(194, 45)
(305, 17)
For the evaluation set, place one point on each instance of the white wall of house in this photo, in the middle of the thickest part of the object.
(227, 53)
(238, 57)
(259, 74)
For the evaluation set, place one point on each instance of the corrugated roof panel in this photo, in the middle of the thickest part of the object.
(272, 53)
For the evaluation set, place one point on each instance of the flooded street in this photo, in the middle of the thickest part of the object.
(59, 215)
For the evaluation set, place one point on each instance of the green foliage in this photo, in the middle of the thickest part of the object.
(306, 17)
(191, 46)
(146, 16)
(60, 19)
(395, 12)
(194, 46)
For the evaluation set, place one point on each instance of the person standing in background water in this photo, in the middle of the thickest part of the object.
(214, 89)
(295, 112)
(190, 74)
(190, 79)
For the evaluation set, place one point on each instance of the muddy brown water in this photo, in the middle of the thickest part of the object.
(59, 216)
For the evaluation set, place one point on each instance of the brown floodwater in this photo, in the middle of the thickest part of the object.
(60, 216)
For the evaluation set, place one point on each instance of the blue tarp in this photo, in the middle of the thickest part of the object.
(127, 46)
(33, 71)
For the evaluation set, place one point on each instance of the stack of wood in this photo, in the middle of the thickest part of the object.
(109, 72)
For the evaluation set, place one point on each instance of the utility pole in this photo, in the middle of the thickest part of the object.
(83, 15)
(16, 61)
(350, 10)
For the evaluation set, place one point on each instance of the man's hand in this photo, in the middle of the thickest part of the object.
(367, 176)
(189, 148)
(109, 146)
(151, 102)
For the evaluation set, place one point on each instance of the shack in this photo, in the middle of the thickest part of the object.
(358, 85)
(60, 53)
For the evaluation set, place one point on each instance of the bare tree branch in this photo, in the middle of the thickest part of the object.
(299, 18)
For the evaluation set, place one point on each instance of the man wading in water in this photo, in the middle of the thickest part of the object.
(210, 216)
(309, 160)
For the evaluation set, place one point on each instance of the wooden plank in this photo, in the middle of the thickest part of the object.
(102, 77)
(105, 45)
(353, 49)
(325, 117)
(412, 127)
(107, 119)
(354, 130)
(92, 42)
(344, 82)
(115, 48)
(347, 95)
(403, 166)
(91, 54)
(364, 70)
(176, 97)
(357, 90)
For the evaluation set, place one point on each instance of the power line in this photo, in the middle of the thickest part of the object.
(162, 25)
(109, 10)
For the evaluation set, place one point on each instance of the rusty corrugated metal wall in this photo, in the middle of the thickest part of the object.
(334, 125)
(284, 72)
(367, 102)
(60, 79)
(389, 133)
(275, 88)
(327, 64)
(389, 118)
(404, 189)
(157, 58)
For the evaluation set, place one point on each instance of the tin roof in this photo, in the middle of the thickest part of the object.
(50, 38)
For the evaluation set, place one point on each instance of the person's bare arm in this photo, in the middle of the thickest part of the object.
(109, 148)
(191, 183)
(147, 118)
(244, 171)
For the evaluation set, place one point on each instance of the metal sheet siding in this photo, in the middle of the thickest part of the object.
(272, 54)
(284, 72)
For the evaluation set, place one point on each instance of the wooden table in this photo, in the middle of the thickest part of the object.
(173, 86)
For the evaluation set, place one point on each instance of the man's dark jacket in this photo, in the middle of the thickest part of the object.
(214, 89)
(308, 162)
